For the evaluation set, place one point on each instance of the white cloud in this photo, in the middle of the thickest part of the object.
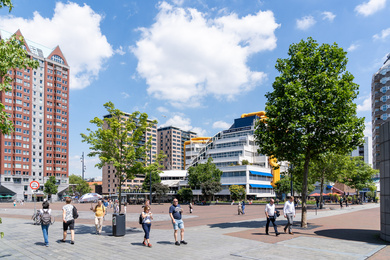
(370, 7)
(368, 130)
(221, 125)
(383, 35)
(120, 51)
(328, 16)
(178, 2)
(353, 47)
(76, 29)
(305, 22)
(184, 124)
(162, 110)
(185, 56)
(366, 106)
(125, 95)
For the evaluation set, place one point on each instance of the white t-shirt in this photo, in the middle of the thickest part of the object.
(68, 211)
(270, 209)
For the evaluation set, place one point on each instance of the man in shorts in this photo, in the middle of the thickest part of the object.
(68, 220)
(175, 212)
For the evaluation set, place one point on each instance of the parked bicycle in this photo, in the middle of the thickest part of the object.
(36, 218)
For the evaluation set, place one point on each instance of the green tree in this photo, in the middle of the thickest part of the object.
(245, 162)
(359, 175)
(80, 186)
(50, 186)
(284, 184)
(160, 189)
(202, 173)
(185, 194)
(237, 192)
(120, 141)
(210, 188)
(310, 110)
(328, 167)
(155, 179)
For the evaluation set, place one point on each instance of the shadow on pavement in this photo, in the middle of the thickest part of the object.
(138, 244)
(2, 256)
(360, 235)
(165, 242)
(39, 243)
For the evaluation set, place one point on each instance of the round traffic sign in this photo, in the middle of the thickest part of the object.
(34, 185)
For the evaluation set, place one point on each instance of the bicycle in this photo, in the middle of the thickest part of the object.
(36, 218)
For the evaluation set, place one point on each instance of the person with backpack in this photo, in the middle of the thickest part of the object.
(100, 211)
(147, 218)
(68, 219)
(45, 216)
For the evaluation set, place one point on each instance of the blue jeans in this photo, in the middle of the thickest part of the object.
(45, 231)
(146, 227)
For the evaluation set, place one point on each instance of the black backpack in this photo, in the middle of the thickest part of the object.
(140, 220)
(75, 213)
(45, 218)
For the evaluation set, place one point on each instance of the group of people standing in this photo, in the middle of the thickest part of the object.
(271, 213)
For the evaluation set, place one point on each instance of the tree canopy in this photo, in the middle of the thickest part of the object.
(120, 140)
(50, 186)
(81, 187)
(202, 173)
(185, 194)
(237, 192)
(310, 110)
(155, 179)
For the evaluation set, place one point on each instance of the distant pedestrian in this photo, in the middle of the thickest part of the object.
(147, 203)
(243, 207)
(147, 218)
(45, 216)
(116, 207)
(341, 202)
(317, 202)
(270, 213)
(239, 208)
(68, 220)
(100, 211)
(125, 207)
(231, 204)
(346, 201)
(190, 206)
(14, 203)
(175, 212)
(289, 213)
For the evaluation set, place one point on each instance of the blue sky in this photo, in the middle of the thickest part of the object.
(194, 64)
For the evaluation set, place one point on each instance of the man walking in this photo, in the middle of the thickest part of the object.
(289, 213)
(68, 220)
(270, 213)
(100, 211)
(175, 212)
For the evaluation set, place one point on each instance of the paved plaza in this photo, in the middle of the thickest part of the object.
(212, 232)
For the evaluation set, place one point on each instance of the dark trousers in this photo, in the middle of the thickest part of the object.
(271, 219)
(146, 227)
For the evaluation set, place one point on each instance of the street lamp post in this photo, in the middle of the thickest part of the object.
(150, 195)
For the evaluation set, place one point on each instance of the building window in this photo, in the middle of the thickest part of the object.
(57, 58)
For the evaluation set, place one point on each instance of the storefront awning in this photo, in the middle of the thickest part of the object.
(261, 186)
(261, 173)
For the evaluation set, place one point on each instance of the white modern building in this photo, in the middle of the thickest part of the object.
(235, 153)
(364, 151)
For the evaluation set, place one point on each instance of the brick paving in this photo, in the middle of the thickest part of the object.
(212, 232)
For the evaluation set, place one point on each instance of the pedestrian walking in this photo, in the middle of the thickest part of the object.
(289, 213)
(68, 220)
(346, 201)
(175, 212)
(243, 207)
(341, 202)
(317, 202)
(231, 204)
(147, 218)
(190, 206)
(270, 213)
(239, 208)
(45, 216)
(100, 211)
(14, 203)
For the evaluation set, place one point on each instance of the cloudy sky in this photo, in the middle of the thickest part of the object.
(193, 64)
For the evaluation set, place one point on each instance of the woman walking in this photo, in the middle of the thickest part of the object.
(147, 217)
(45, 215)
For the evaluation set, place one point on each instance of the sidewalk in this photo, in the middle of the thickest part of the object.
(333, 234)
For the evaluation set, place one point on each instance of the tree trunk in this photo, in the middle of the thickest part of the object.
(322, 190)
(304, 192)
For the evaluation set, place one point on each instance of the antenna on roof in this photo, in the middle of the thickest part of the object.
(387, 58)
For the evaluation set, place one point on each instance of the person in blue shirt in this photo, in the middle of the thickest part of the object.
(243, 207)
(175, 212)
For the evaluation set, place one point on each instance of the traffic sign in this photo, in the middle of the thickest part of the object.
(34, 185)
